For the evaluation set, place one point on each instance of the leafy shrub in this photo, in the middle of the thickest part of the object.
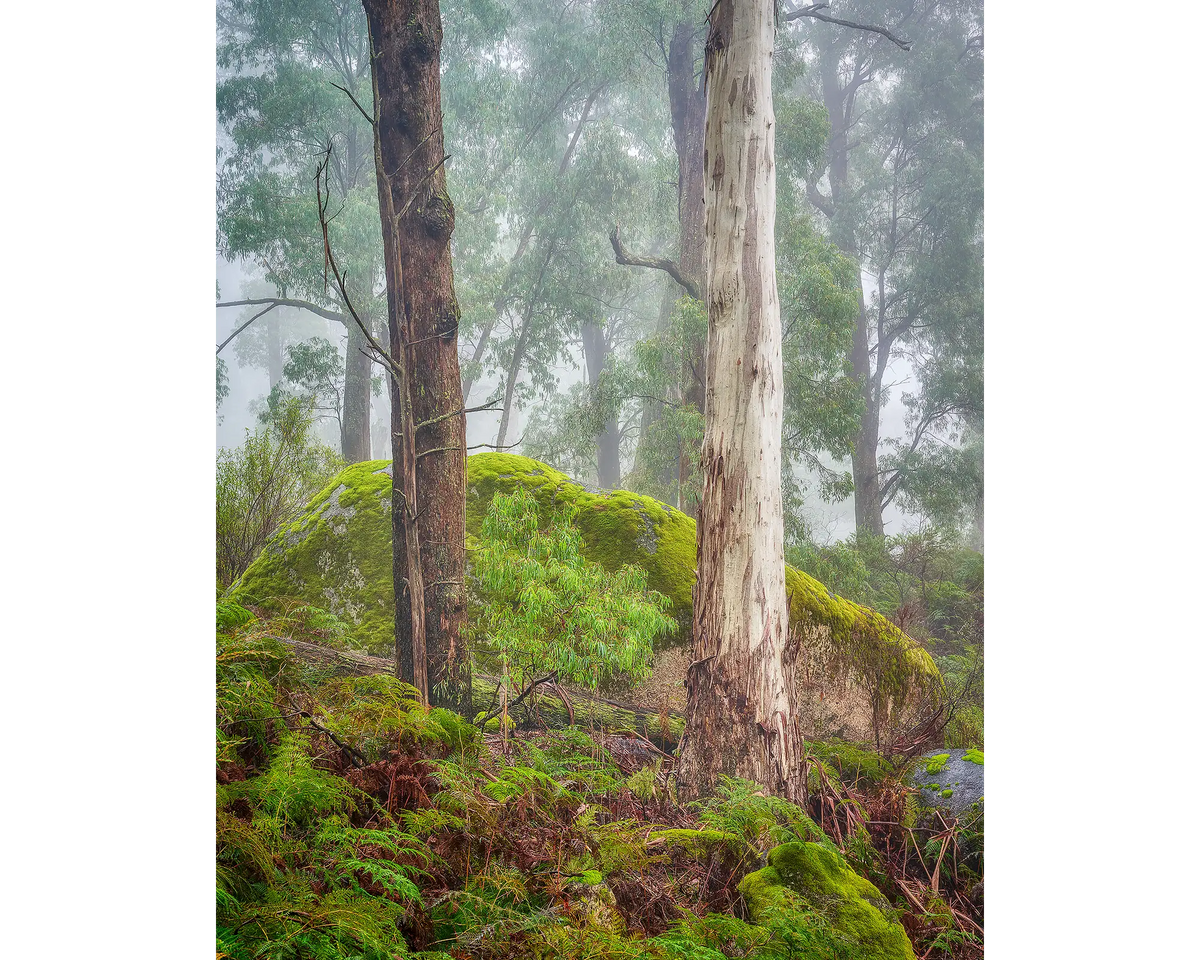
(543, 609)
(265, 482)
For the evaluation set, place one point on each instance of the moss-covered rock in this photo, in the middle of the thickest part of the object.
(949, 778)
(705, 846)
(820, 878)
(337, 554)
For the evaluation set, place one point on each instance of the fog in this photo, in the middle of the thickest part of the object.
(552, 191)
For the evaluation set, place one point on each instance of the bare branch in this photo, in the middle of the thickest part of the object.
(627, 259)
(366, 116)
(221, 346)
(286, 302)
(812, 11)
(493, 446)
(457, 413)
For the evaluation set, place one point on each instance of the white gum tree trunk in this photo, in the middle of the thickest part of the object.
(738, 715)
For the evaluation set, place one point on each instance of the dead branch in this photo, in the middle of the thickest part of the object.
(627, 259)
(272, 303)
(812, 11)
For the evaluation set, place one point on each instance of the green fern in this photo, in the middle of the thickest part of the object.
(741, 808)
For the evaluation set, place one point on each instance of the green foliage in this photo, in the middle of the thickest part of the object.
(222, 382)
(313, 376)
(964, 681)
(231, 615)
(544, 609)
(299, 873)
(377, 712)
(263, 483)
(851, 761)
(741, 809)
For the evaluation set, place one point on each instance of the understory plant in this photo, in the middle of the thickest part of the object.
(545, 612)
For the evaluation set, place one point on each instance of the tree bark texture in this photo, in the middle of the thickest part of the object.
(739, 717)
(423, 315)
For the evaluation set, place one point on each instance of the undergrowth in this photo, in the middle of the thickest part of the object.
(353, 822)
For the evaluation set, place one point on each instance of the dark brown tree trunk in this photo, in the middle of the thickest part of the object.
(423, 314)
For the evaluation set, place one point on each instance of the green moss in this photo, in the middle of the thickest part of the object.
(852, 761)
(974, 756)
(947, 793)
(818, 876)
(704, 845)
(936, 763)
(337, 555)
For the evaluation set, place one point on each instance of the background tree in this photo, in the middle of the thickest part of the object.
(555, 117)
(902, 194)
(278, 103)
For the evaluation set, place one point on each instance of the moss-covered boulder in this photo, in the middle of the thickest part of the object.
(855, 670)
(819, 878)
(337, 554)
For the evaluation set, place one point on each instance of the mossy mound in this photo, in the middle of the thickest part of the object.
(818, 876)
(337, 555)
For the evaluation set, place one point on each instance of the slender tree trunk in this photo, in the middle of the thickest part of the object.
(608, 442)
(868, 508)
(356, 402)
(274, 348)
(839, 103)
(687, 126)
(739, 718)
(423, 314)
(502, 299)
(514, 372)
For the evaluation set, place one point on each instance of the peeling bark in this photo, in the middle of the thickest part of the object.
(739, 717)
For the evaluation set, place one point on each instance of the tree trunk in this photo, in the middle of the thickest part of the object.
(839, 103)
(687, 125)
(510, 384)
(608, 442)
(356, 401)
(274, 349)
(739, 717)
(406, 39)
(868, 507)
